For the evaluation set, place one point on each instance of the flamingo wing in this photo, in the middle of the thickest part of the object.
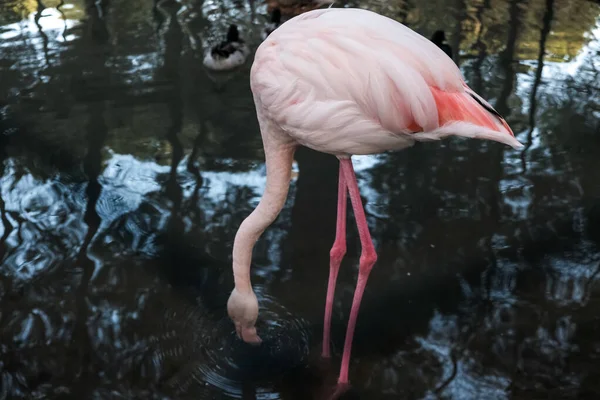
(351, 81)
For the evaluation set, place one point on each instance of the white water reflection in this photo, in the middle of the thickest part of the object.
(51, 21)
(138, 178)
(554, 73)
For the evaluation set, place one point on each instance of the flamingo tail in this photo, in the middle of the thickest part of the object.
(467, 114)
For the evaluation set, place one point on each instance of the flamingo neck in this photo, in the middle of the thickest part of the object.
(279, 160)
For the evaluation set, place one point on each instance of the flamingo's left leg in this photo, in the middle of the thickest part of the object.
(368, 258)
(335, 258)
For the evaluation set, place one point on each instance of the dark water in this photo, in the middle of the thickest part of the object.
(127, 168)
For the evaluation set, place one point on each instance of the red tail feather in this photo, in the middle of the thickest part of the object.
(465, 107)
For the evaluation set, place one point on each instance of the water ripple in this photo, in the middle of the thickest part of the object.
(222, 363)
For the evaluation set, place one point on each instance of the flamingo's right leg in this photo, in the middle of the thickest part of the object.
(335, 259)
(368, 258)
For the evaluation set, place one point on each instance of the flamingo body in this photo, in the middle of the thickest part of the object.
(350, 81)
(345, 82)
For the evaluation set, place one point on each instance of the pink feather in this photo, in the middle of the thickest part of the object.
(349, 81)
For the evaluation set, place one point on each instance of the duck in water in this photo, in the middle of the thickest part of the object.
(274, 24)
(229, 54)
(438, 38)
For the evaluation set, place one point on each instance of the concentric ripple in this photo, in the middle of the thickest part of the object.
(233, 367)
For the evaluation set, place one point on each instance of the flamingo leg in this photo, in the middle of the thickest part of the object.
(335, 259)
(368, 258)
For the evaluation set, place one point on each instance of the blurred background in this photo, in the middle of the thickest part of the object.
(126, 167)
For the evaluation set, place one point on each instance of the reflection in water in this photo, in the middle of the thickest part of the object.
(173, 41)
(92, 167)
(547, 21)
(124, 174)
(38, 15)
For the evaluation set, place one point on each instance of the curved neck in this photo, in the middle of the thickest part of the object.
(279, 168)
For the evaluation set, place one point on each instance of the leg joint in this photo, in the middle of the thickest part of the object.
(368, 258)
(337, 252)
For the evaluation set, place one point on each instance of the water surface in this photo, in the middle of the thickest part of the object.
(126, 169)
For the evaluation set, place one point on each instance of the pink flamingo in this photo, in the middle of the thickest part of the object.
(344, 82)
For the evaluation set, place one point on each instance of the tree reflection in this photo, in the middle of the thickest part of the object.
(173, 40)
(92, 167)
(7, 226)
(547, 21)
(312, 229)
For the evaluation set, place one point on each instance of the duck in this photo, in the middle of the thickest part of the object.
(295, 7)
(274, 24)
(229, 54)
(438, 38)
